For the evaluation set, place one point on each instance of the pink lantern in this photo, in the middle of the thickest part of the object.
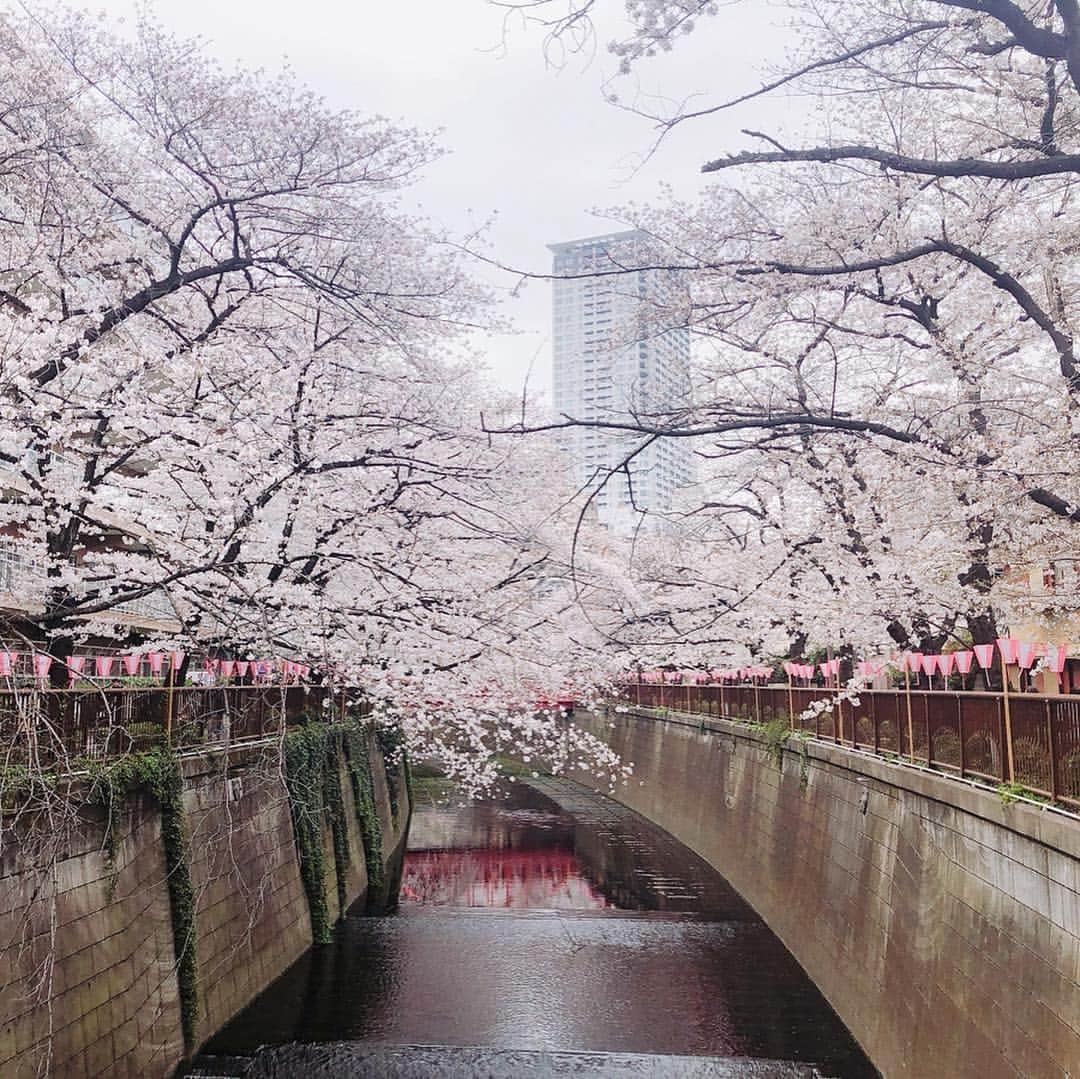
(915, 661)
(213, 665)
(1025, 654)
(963, 661)
(1055, 657)
(984, 653)
(1009, 648)
(7, 659)
(929, 664)
(227, 667)
(945, 663)
(103, 666)
(156, 661)
(76, 666)
(132, 664)
(42, 663)
(176, 661)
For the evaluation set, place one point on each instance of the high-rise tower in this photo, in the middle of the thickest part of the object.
(619, 353)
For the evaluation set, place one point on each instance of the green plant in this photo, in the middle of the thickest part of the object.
(1014, 792)
(20, 785)
(358, 765)
(804, 738)
(391, 742)
(335, 810)
(306, 749)
(775, 734)
(157, 772)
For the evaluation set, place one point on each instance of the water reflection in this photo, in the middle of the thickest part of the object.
(480, 878)
(550, 844)
(549, 920)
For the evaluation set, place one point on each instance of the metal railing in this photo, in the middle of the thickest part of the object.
(964, 734)
(50, 725)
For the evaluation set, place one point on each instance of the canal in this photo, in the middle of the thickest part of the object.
(544, 931)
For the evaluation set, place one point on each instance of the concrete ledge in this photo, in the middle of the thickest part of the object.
(1049, 825)
(942, 925)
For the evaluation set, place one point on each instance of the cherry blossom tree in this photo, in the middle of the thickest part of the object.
(234, 382)
(885, 305)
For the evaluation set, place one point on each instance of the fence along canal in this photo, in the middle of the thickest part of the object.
(1034, 744)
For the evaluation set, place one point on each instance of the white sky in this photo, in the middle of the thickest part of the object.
(539, 147)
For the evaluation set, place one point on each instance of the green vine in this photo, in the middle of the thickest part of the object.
(335, 809)
(306, 751)
(391, 742)
(358, 762)
(803, 738)
(158, 772)
(775, 734)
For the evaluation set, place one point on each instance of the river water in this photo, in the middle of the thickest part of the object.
(547, 931)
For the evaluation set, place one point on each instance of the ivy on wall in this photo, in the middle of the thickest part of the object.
(306, 751)
(391, 742)
(335, 811)
(358, 763)
(312, 753)
(158, 772)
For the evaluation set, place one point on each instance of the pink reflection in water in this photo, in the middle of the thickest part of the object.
(549, 879)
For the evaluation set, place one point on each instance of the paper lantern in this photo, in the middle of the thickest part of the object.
(1055, 657)
(1009, 647)
(1025, 654)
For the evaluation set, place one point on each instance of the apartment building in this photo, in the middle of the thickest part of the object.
(621, 351)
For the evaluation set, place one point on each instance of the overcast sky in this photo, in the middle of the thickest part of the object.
(535, 145)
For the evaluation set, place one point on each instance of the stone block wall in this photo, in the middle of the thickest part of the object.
(251, 910)
(88, 984)
(942, 925)
(86, 977)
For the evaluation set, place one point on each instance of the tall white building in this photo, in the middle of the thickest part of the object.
(616, 355)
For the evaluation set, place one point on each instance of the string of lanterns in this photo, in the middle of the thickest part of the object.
(152, 664)
(1013, 652)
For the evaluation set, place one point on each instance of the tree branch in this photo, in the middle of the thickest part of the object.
(918, 166)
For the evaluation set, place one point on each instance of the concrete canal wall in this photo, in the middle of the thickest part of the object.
(941, 924)
(89, 979)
